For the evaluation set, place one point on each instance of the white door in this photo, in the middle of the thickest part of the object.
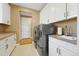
(25, 27)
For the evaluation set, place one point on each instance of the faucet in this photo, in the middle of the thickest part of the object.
(69, 30)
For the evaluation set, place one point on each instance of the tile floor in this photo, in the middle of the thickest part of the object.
(25, 50)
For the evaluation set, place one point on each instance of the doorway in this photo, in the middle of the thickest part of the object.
(26, 30)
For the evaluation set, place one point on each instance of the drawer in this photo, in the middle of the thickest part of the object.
(2, 42)
(69, 46)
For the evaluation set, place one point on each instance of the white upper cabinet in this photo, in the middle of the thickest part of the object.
(54, 12)
(60, 13)
(51, 13)
(5, 13)
(43, 16)
(72, 9)
(47, 14)
(1, 12)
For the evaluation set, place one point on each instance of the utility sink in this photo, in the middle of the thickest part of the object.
(68, 37)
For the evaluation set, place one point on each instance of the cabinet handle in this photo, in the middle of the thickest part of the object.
(59, 52)
(6, 46)
(6, 40)
(67, 13)
(48, 20)
(64, 14)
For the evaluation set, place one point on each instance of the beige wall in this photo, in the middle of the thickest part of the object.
(71, 22)
(1, 28)
(15, 19)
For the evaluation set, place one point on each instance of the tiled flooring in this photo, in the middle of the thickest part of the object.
(25, 50)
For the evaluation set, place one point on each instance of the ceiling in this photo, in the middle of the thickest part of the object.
(34, 6)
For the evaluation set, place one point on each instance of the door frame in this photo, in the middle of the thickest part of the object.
(20, 22)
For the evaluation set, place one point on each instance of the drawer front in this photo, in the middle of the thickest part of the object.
(66, 52)
(69, 46)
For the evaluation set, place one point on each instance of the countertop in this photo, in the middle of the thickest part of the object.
(63, 39)
(5, 35)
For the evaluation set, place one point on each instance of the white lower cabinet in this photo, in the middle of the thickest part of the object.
(53, 49)
(11, 44)
(7, 45)
(2, 47)
(56, 48)
(65, 52)
(2, 50)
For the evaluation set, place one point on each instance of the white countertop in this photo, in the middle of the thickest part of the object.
(4, 35)
(64, 39)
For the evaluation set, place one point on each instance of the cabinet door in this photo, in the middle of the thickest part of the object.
(51, 13)
(72, 9)
(0, 12)
(9, 15)
(6, 13)
(53, 48)
(11, 44)
(2, 47)
(10, 47)
(65, 52)
(60, 11)
(13, 40)
(43, 15)
(2, 50)
(47, 14)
